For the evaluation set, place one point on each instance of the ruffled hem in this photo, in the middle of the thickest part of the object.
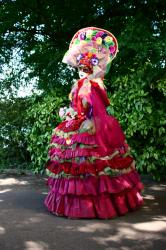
(105, 206)
(70, 153)
(84, 138)
(93, 197)
(92, 185)
(86, 167)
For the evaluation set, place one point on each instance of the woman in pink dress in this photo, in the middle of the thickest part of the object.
(91, 171)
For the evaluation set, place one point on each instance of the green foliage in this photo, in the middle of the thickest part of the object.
(13, 128)
(141, 110)
(40, 32)
(36, 34)
(42, 118)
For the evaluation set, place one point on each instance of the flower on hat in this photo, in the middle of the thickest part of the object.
(99, 40)
(82, 36)
(112, 49)
(76, 41)
(89, 34)
(94, 61)
(99, 34)
(89, 54)
(108, 39)
(100, 46)
(88, 59)
(82, 42)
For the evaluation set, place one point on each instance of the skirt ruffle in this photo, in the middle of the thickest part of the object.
(84, 138)
(74, 168)
(94, 197)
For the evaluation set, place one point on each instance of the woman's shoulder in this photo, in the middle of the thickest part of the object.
(98, 83)
(99, 90)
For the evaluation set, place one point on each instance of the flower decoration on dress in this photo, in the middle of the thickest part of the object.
(94, 46)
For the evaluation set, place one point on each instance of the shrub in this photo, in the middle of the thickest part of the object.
(42, 118)
(139, 105)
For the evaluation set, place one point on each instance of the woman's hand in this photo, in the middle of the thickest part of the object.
(67, 113)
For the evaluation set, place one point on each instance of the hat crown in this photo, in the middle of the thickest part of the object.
(96, 37)
(92, 45)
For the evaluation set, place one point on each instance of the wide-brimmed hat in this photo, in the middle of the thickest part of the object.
(92, 45)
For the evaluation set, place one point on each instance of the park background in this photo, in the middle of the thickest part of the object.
(34, 83)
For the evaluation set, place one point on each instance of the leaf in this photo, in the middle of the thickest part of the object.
(149, 110)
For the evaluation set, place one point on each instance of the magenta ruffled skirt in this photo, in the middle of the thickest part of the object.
(94, 196)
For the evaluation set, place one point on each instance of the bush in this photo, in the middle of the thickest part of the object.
(42, 118)
(139, 105)
(137, 100)
(13, 127)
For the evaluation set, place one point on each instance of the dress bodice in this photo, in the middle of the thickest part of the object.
(81, 93)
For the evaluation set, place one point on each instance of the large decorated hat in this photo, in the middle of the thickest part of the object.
(94, 48)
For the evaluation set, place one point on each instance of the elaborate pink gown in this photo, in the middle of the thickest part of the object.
(92, 173)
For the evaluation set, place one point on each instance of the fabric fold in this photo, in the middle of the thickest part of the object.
(93, 185)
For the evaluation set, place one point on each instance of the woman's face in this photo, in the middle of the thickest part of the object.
(84, 71)
(82, 74)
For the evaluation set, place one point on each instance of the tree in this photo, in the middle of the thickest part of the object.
(40, 32)
(13, 151)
